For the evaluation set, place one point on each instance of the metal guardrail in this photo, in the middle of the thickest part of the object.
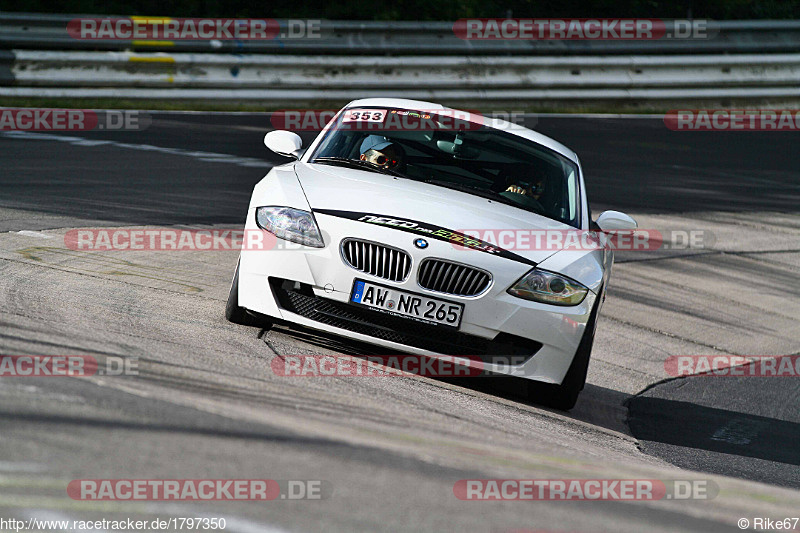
(48, 32)
(508, 99)
(488, 74)
(282, 80)
(409, 59)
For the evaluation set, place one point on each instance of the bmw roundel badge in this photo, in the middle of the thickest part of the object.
(421, 243)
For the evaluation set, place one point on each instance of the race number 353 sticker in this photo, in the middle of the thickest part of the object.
(364, 115)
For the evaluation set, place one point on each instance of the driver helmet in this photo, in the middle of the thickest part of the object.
(383, 153)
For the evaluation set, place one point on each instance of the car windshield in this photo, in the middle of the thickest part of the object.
(456, 153)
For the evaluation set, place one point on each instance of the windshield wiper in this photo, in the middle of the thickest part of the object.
(356, 163)
(477, 191)
(484, 193)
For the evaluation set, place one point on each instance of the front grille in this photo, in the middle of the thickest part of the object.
(301, 300)
(376, 259)
(452, 278)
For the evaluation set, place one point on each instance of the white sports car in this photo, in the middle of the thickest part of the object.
(381, 227)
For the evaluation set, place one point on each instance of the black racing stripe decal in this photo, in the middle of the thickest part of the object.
(432, 232)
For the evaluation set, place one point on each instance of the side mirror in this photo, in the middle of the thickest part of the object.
(614, 220)
(285, 143)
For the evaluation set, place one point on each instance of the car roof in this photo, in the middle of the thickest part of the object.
(503, 125)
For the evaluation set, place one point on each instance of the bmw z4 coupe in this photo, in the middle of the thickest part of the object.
(431, 231)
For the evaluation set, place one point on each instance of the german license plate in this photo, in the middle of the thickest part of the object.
(407, 304)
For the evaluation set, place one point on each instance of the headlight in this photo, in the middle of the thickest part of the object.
(290, 224)
(546, 287)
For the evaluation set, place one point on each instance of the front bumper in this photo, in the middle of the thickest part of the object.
(502, 330)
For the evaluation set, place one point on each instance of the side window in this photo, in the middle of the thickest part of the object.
(572, 195)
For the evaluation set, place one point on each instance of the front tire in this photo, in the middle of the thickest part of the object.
(239, 315)
(565, 396)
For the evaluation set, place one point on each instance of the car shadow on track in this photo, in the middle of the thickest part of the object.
(597, 405)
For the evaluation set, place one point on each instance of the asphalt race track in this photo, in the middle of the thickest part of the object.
(206, 404)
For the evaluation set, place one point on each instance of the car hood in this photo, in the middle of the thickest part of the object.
(356, 193)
